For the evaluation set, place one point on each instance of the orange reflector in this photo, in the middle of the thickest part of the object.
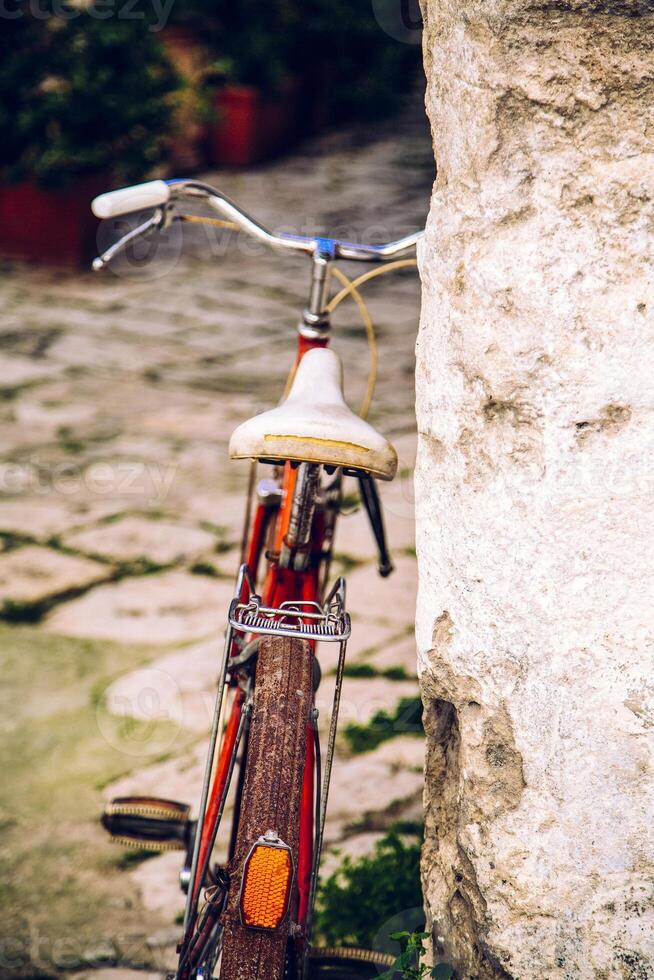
(266, 884)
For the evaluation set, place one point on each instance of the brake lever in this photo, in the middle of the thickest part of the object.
(372, 503)
(159, 220)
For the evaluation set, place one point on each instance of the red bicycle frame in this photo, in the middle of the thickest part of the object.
(280, 585)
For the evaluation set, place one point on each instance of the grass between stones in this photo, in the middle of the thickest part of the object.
(368, 670)
(65, 902)
(204, 568)
(406, 719)
(32, 611)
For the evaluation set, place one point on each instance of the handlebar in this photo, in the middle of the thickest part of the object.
(166, 195)
(153, 194)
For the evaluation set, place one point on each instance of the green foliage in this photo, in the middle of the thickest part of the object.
(359, 670)
(130, 857)
(136, 567)
(368, 670)
(203, 568)
(342, 46)
(347, 562)
(396, 674)
(405, 720)
(356, 900)
(252, 40)
(336, 46)
(81, 93)
(409, 963)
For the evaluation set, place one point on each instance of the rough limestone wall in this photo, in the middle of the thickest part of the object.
(535, 393)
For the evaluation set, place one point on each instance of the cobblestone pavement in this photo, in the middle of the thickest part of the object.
(119, 510)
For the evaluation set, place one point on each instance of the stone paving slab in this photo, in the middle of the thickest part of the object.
(366, 784)
(18, 371)
(38, 409)
(181, 685)
(130, 538)
(177, 778)
(158, 882)
(392, 603)
(32, 574)
(199, 418)
(173, 607)
(361, 698)
(365, 638)
(103, 352)
(355, 847)
(398, 652)
(41, 517)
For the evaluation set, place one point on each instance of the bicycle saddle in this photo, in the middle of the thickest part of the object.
(315, 425)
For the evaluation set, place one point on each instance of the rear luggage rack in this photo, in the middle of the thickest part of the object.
(298, 618)
(304, 620)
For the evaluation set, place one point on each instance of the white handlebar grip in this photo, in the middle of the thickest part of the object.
(137, 198)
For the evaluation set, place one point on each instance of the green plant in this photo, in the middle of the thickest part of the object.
(80, 93)
(251, 41)
(203, 568)
(133, 856)
(337, 46)
(396, 674)
(409, 963)
(347, 562)
(364, 71)
(405, 720)
(355, 901)
(369, 670)
(359, 670)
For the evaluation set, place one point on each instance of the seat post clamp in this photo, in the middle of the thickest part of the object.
(314, 326)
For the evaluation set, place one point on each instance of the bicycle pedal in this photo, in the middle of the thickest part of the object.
(148, 823)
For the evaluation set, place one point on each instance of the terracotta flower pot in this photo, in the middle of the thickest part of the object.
(54, 227)
(251, 125)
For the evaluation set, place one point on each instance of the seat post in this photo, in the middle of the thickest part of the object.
(314, 324)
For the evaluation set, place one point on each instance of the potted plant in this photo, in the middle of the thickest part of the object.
(85, 102)
(276, 69)
(248, 78)
(183, 43)
(257, 105)
(291, 68)
(252, 123)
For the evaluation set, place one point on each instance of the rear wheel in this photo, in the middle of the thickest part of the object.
(272, 792)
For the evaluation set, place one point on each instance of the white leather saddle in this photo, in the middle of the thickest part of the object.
(314, 425)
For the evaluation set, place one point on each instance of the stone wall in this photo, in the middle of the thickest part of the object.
(535, 395)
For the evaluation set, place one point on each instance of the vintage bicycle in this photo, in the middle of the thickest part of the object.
(250, 919)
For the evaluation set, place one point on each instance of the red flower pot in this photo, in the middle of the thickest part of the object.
(252, 126)
(54, 227)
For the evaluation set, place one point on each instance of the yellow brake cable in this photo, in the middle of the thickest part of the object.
(350, 288)
(201, 220)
